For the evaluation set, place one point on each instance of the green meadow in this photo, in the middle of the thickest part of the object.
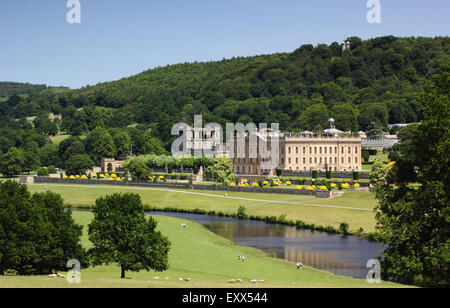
(207, 259)
(354, 208)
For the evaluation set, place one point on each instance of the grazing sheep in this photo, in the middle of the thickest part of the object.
(156, 278)
(253, 281)
(180, 279)
(184, 226)
(239, 280)
(187, 279)
(62, 276)
(52, 276)
(167, 278)
(261, 281)
(232, 281)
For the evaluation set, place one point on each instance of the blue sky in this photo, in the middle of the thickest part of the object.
(121, 38)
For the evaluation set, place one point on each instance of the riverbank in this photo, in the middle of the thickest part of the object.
(354, 208)
(209, 260)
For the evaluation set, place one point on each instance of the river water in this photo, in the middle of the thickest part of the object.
(341, 255)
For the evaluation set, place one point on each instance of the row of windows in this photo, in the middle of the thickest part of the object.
(355, 168)
(321, 160)
(248, 169)
(323, 150)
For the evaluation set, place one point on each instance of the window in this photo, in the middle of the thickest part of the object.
(325, 150)
(349, 160)
(349, 150)
(304, 160)
(296, 160)
(304, 150)
(289, 150)
(289, 161)
(296, 150)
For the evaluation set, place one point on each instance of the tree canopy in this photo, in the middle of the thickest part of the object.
(414, 219)
(120, 233)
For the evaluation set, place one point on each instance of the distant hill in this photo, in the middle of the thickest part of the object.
(374, 83)
(15, 88)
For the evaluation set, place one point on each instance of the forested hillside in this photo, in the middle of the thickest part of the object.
(14, 88)
(374, 83)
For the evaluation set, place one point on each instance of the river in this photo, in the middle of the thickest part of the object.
(342, 255)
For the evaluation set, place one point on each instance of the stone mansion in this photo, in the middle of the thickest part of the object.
(330, 150)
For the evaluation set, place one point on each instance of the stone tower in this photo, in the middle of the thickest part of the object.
(345, 46)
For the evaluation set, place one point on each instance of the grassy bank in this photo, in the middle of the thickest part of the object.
(306, 208)
(209, 260)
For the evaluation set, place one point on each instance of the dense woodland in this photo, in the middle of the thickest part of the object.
(372, 85)
(14, 88)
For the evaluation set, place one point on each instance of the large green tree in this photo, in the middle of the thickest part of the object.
(220, 171)
(37, 233)
(100, 144)
(78, 164)
(414, 221)
(120, 233)
(12, 162)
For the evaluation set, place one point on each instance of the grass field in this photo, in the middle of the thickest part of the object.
(59, 138)
(209, 260)
(307, 208)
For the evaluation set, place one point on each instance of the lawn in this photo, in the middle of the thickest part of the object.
(383, 157)
(209, 260)
(355, 208)
(59, 138)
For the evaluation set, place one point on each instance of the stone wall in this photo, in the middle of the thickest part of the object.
(301, 192)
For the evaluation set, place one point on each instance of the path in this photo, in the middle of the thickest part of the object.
(210, 195)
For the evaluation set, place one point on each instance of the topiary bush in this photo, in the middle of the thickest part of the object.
(43, 172)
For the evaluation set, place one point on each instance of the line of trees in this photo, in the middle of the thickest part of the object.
(39, 236)
(216, 169)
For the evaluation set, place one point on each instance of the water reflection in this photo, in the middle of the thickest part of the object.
(346, 256)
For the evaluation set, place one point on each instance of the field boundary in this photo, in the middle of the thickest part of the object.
(278, 191)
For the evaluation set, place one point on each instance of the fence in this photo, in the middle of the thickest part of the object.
(282, 191)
